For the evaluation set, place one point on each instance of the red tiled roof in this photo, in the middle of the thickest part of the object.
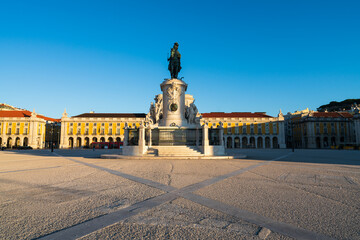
(111, 115)
(332, 115)
(235, 115)
(21, 114)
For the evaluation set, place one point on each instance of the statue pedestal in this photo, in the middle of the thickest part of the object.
(173, 103)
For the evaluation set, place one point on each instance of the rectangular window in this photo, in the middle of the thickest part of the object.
(110, 131)
(118, 124)
(244, 129)
(26, 124)
(94, 131)
(259, 129)
(110, 124)
(86, 131)
(9, 131)
(25, 131)
(78, 131)
(102, 131)
(118, 131)
(17, 131)
(236, 130)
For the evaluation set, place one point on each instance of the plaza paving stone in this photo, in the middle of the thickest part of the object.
(316, 191)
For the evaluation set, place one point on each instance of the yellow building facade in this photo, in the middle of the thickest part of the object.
(248, 130)
(82, 130)
(22, 128)
(241, 130)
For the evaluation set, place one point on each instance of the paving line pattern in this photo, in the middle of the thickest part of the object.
(172, 193)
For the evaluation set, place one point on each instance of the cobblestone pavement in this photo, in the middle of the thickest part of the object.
(273, 194)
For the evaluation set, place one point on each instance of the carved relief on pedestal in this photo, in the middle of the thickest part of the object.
(173, 93)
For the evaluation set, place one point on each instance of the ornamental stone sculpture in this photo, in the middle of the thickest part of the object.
(174, 61)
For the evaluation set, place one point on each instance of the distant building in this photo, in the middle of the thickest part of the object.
(81, 130)
(248, 130)
(23, 128)
(241, 129)
(311, 129)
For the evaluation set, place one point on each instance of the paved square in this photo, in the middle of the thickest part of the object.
(273, 194)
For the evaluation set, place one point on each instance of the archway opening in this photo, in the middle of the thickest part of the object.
(87, 142)
(275, 142)
(244, 142)
(252, 142)
(267, 142)
(333, 141)
(26, 142)
(259, 142)
(9, 142)
(17, 142)
(326, 142)
(318, 142)
(78, 142)
(237, 142)
(71, 142)
(229, 142)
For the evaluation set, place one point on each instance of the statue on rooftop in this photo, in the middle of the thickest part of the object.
(174, 61)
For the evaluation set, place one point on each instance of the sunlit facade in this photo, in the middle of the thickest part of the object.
(248, 130)
(21, 128)
(241, 130)
(82, 130)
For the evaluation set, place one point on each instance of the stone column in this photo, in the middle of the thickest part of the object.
(205, 139)
(281, 135)
(126, 136)
(142, 147)
(221, 134)
(150, 136)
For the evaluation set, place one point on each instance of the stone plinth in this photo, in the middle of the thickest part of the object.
(173, 103)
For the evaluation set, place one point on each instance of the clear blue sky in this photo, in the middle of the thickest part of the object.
(237, 56)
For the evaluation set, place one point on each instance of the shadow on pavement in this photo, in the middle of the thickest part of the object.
(320, 156)
(85, 153)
